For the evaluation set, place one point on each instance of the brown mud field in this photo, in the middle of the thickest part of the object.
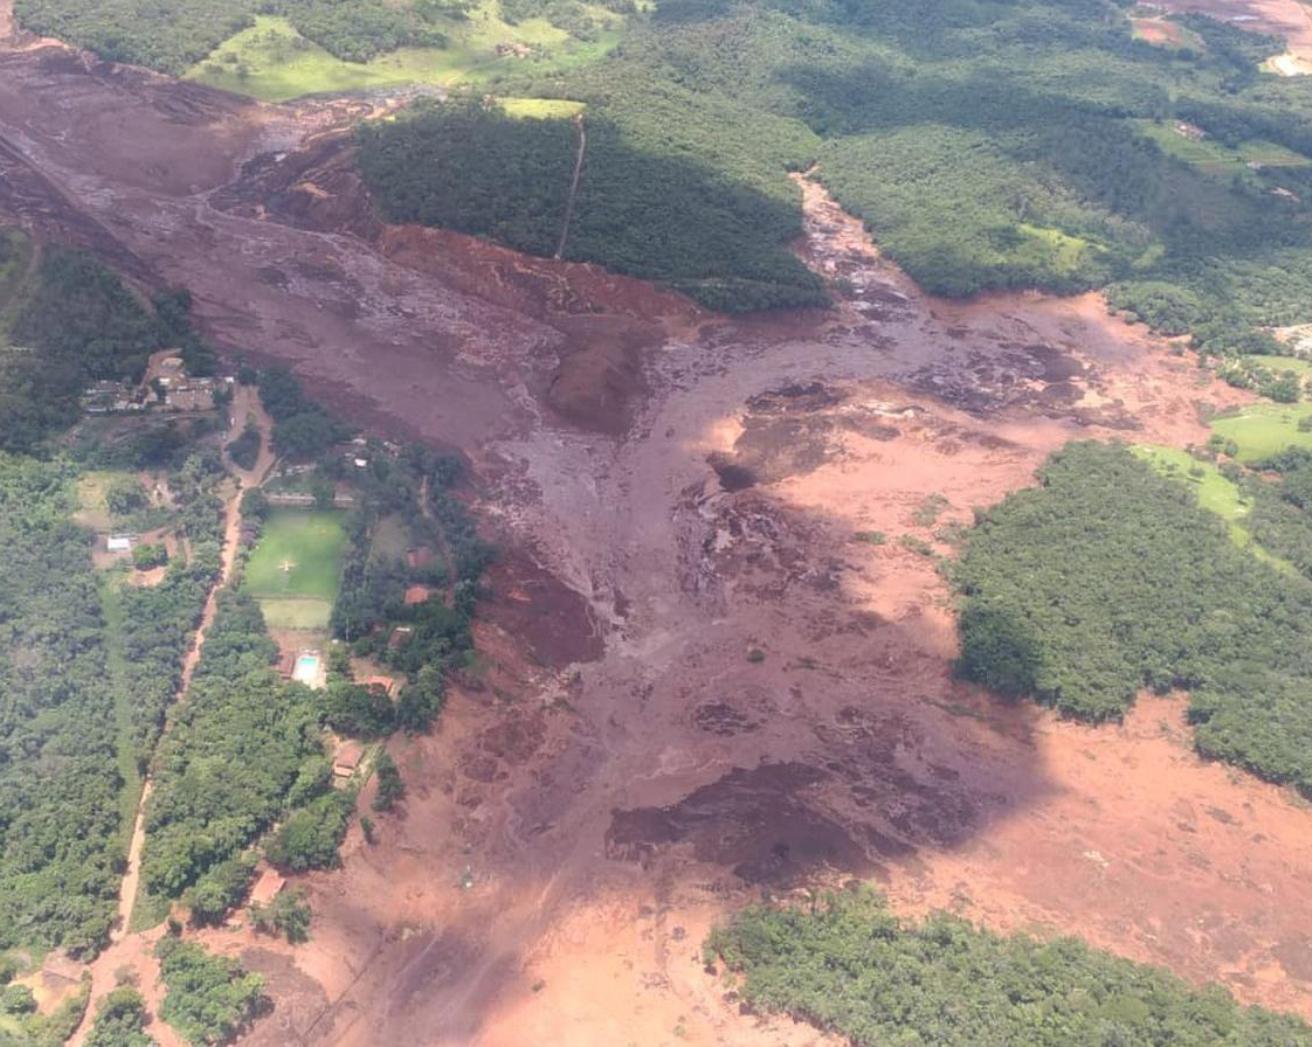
(699, 678)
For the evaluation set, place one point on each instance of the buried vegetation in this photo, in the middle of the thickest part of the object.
(1108, 579)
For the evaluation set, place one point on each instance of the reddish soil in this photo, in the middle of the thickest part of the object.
(1159, 32)
(1290, 19)
(676, 492)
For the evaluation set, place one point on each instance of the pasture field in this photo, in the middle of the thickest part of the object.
(1207, 154)
(1299, 366)
(541, 108)
(1261, 430)
(1215, 493)
(296, 566)
(273, 62)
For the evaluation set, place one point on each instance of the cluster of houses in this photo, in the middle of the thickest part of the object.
(166, 386)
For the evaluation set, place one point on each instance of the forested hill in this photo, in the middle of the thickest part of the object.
(988, 144)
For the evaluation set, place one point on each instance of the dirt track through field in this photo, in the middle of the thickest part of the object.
(700, 676)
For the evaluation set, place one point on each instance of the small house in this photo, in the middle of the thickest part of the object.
(346, 761)
(119, 543)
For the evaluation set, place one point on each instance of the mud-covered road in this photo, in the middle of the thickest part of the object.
(700, 676)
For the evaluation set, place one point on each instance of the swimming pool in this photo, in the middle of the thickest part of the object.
(307, 669)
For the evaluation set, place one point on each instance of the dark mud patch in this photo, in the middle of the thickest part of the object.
(297, 1000)
(552, 621)
(1295, 956)
(761, 823)
(981, 380)
(600, 378)
(723, 719)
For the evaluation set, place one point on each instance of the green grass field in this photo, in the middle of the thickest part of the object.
(273, 62)
(1261, 430)
(295, 567)
(1215, 493)
(1299, 366)
(541, 108)
(1209, 155)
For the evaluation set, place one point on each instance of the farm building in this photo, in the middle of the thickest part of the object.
(346, 761)
(120, 543)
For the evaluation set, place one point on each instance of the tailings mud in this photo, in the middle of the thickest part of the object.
(716, 658)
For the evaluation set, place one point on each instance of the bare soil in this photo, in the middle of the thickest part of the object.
(695, 681)
(1290, 19)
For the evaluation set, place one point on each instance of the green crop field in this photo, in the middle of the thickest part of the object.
(1264, 429)
(296, 566)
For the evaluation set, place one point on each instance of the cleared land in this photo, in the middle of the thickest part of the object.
(273, 62)
(294, 570)
(1262, 430)
(1208, 154)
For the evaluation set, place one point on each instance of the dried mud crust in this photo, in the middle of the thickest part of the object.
(686, 688)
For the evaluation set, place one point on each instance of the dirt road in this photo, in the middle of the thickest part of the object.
(700, 676)
(135, 950)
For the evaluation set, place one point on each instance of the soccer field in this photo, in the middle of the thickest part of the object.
(297, 564)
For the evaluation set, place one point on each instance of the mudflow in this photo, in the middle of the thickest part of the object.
(698, 678)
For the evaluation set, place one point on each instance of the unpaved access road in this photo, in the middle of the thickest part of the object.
(135, 951)
(675, 492)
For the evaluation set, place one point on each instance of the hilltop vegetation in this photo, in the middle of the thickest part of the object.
(850, 967)
(988, 145)
(1109, 578)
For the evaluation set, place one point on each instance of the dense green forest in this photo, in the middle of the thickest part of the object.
(59, 787)
(1108, 578)
(851, 967)
(243, 750)
(987, 144)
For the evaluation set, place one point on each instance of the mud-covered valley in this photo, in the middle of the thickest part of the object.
(699, 679)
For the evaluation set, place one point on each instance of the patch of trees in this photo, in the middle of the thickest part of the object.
(59, 787)
(208, 999)
(72, 321)
(850, 967)
(245, 449)
(1108, 579)
(234, 755)
(24, 1026)
(391, 787)
(419, 487)
(659, 213)
(288, 914)
(301, 428)
(120, 1020)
